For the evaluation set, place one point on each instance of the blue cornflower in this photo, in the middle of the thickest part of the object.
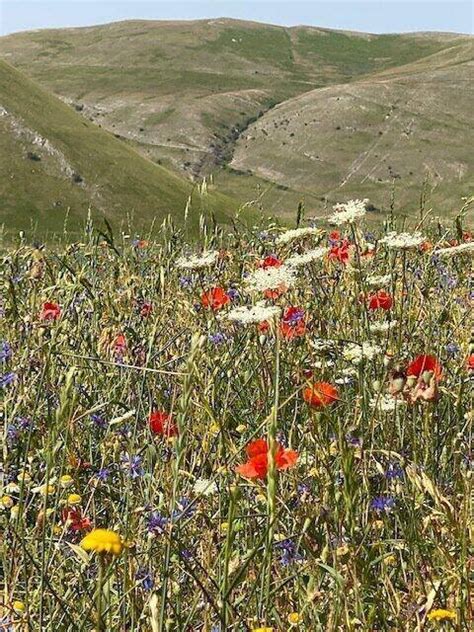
(157, 523)
(288, 552)
(99, 421)
(382, 504)
(185, 281)
(394, 471)
(5, 351)
(7, 379)
(218, 338)
(185, 510)
(12, 434)
(103, 474)
(452, 349)
(144, 578)
(132, 465)
(232, 293)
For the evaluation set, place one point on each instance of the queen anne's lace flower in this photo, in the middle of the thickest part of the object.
(271, 278)
(386, 403)
(196, 262)
(356, 353)
(402, 241)
(252, 314)
(383, 327)
(455, 250)
(204, 487)
(297, 233)
(307, 257)
(378, 280)
(348, 213)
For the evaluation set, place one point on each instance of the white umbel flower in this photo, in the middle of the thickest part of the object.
(196, 262)
(356, 353)
(306, 257)
(383, 327)
(455, 250)
(205, 487)
(271, 279)
(387, 403)
(378, 281)
(252, 314)
(402, 241)
(297, 233)
(348, 213)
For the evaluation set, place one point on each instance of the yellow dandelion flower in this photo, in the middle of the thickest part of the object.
(442, 615)
(262, 629)
(103, 541)
(294, 618)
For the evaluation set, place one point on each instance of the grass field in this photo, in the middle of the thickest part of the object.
(270, 430)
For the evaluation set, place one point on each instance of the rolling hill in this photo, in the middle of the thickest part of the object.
(399, 129)
(272, 112)
(55, 163)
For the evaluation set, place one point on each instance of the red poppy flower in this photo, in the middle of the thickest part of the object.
(271, 261)
(256, 465)
(340, 252)
(263, 327)
(320, 394)
(275, 292)
(293, 323)
(470, 362)
(74, 519)
(425, 363)
(146, 309)
(215, 298)
(335, 235)
(380, 300)
(50, 311)
(162, 424)
(120, 343)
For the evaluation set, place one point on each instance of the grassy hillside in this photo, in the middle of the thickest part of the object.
(407, 127)
(183, 91)
(274, 113)
(59, 163)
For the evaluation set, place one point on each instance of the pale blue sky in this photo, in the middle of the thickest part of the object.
(376, 16)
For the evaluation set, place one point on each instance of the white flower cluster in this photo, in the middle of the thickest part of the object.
(386, 403)
(348, 213)
(306, 257)
(296, 233)
(322, 345)
(271, 278)
(383, 327)
(252, 315)
(196, 262)
(455, 250)
(402, 241)
(205, 487)
(357, 353)
(378, 281)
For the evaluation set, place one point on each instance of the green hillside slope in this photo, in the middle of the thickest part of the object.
(408, 128)
(54, 161)
(183, 91)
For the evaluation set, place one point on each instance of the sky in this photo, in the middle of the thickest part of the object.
(373, 16)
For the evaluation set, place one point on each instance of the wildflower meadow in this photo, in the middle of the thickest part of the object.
(260, 429)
